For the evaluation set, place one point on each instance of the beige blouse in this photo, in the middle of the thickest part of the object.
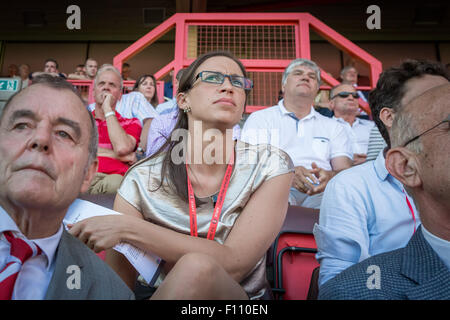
(254, 164)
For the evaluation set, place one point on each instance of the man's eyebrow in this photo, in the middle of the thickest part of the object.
(73, 124)
(21, 113)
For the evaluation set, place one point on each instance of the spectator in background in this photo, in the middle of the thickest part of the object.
(126, 72)
(169, 87)
(146, 85)
(419, 158)
(13, 71)
(50, 67)
(88, 71)
(349, 75)
(172, 103)
(48, 145)
(318, 146)
(90, 68)
(344, 103)
(365, 210)
(118, 137)
(24, 73)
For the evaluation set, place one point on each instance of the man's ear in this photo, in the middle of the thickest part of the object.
(403, 165)
(387, 116)
(89, 175)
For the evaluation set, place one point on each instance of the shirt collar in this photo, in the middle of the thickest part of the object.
(284, 111)
(380, 166)
(356, 122)
(440, 246)
(48, 245)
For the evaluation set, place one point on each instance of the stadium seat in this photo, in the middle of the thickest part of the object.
(293, 255)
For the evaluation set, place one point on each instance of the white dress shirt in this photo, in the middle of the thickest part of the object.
(35, 274)
(359, 133)
(314, 138)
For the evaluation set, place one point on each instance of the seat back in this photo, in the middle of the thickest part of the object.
(294, 265)
(293, 254)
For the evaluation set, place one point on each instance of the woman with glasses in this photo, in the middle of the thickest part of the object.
(146, 85)
(208, 205)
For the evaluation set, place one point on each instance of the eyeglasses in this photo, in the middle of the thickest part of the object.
(418, 136)
(219, 78)
(345, 94)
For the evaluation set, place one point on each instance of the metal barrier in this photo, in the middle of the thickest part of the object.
(86, 89)
(264, 42)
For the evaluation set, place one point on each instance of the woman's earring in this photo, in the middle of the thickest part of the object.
(188, 109)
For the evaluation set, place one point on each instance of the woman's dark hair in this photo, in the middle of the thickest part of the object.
(154, 100)
(176, 173)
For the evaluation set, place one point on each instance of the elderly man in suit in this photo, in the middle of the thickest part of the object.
(48, 146)
(419, 159)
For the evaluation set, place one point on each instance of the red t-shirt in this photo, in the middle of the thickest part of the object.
(109, 165)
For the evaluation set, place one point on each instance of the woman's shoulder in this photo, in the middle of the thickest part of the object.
(263, 153)
(144, 166)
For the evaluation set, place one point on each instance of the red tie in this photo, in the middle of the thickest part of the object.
(20, 252)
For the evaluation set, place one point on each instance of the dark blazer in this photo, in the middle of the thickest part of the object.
(97, 280)
(414, 272)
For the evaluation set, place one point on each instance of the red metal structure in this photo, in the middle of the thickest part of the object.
(264, 42)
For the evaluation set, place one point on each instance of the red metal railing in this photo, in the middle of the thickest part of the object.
(224, 28)
(86, 89)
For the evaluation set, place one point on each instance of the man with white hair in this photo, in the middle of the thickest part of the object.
(319, 146)
(118, 137)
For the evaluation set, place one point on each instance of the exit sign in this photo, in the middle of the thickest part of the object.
(9, 85)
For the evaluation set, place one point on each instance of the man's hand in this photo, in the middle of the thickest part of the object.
(323, 175)
(108, 101)
(301, 181)
(359, 158)
(129, 159)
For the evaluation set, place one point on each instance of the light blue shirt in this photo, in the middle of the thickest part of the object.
(363, 213)
(166, 106)
(440, 246)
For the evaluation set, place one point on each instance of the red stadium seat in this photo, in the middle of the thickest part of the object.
(294, 255)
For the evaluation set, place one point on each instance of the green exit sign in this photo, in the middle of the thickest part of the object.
(9, 85)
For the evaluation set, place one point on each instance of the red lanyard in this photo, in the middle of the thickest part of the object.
(410, 209)
(217, 208)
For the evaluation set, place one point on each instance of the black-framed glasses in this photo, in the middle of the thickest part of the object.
(345, 94)
(219, 78)
(418, 136)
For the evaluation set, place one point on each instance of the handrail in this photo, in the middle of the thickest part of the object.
(303, 22)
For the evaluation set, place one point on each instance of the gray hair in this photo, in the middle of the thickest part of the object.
(402, 130)
(345, 69)
(298, 62)
(108, 67)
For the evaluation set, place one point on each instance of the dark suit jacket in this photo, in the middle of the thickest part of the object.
(414, 272)
(97, 280)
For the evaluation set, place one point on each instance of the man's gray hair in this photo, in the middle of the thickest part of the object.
(345, 69)
(403, 128)
(299, 62)
(108, 67)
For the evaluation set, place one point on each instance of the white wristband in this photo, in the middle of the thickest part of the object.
(111, 113)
